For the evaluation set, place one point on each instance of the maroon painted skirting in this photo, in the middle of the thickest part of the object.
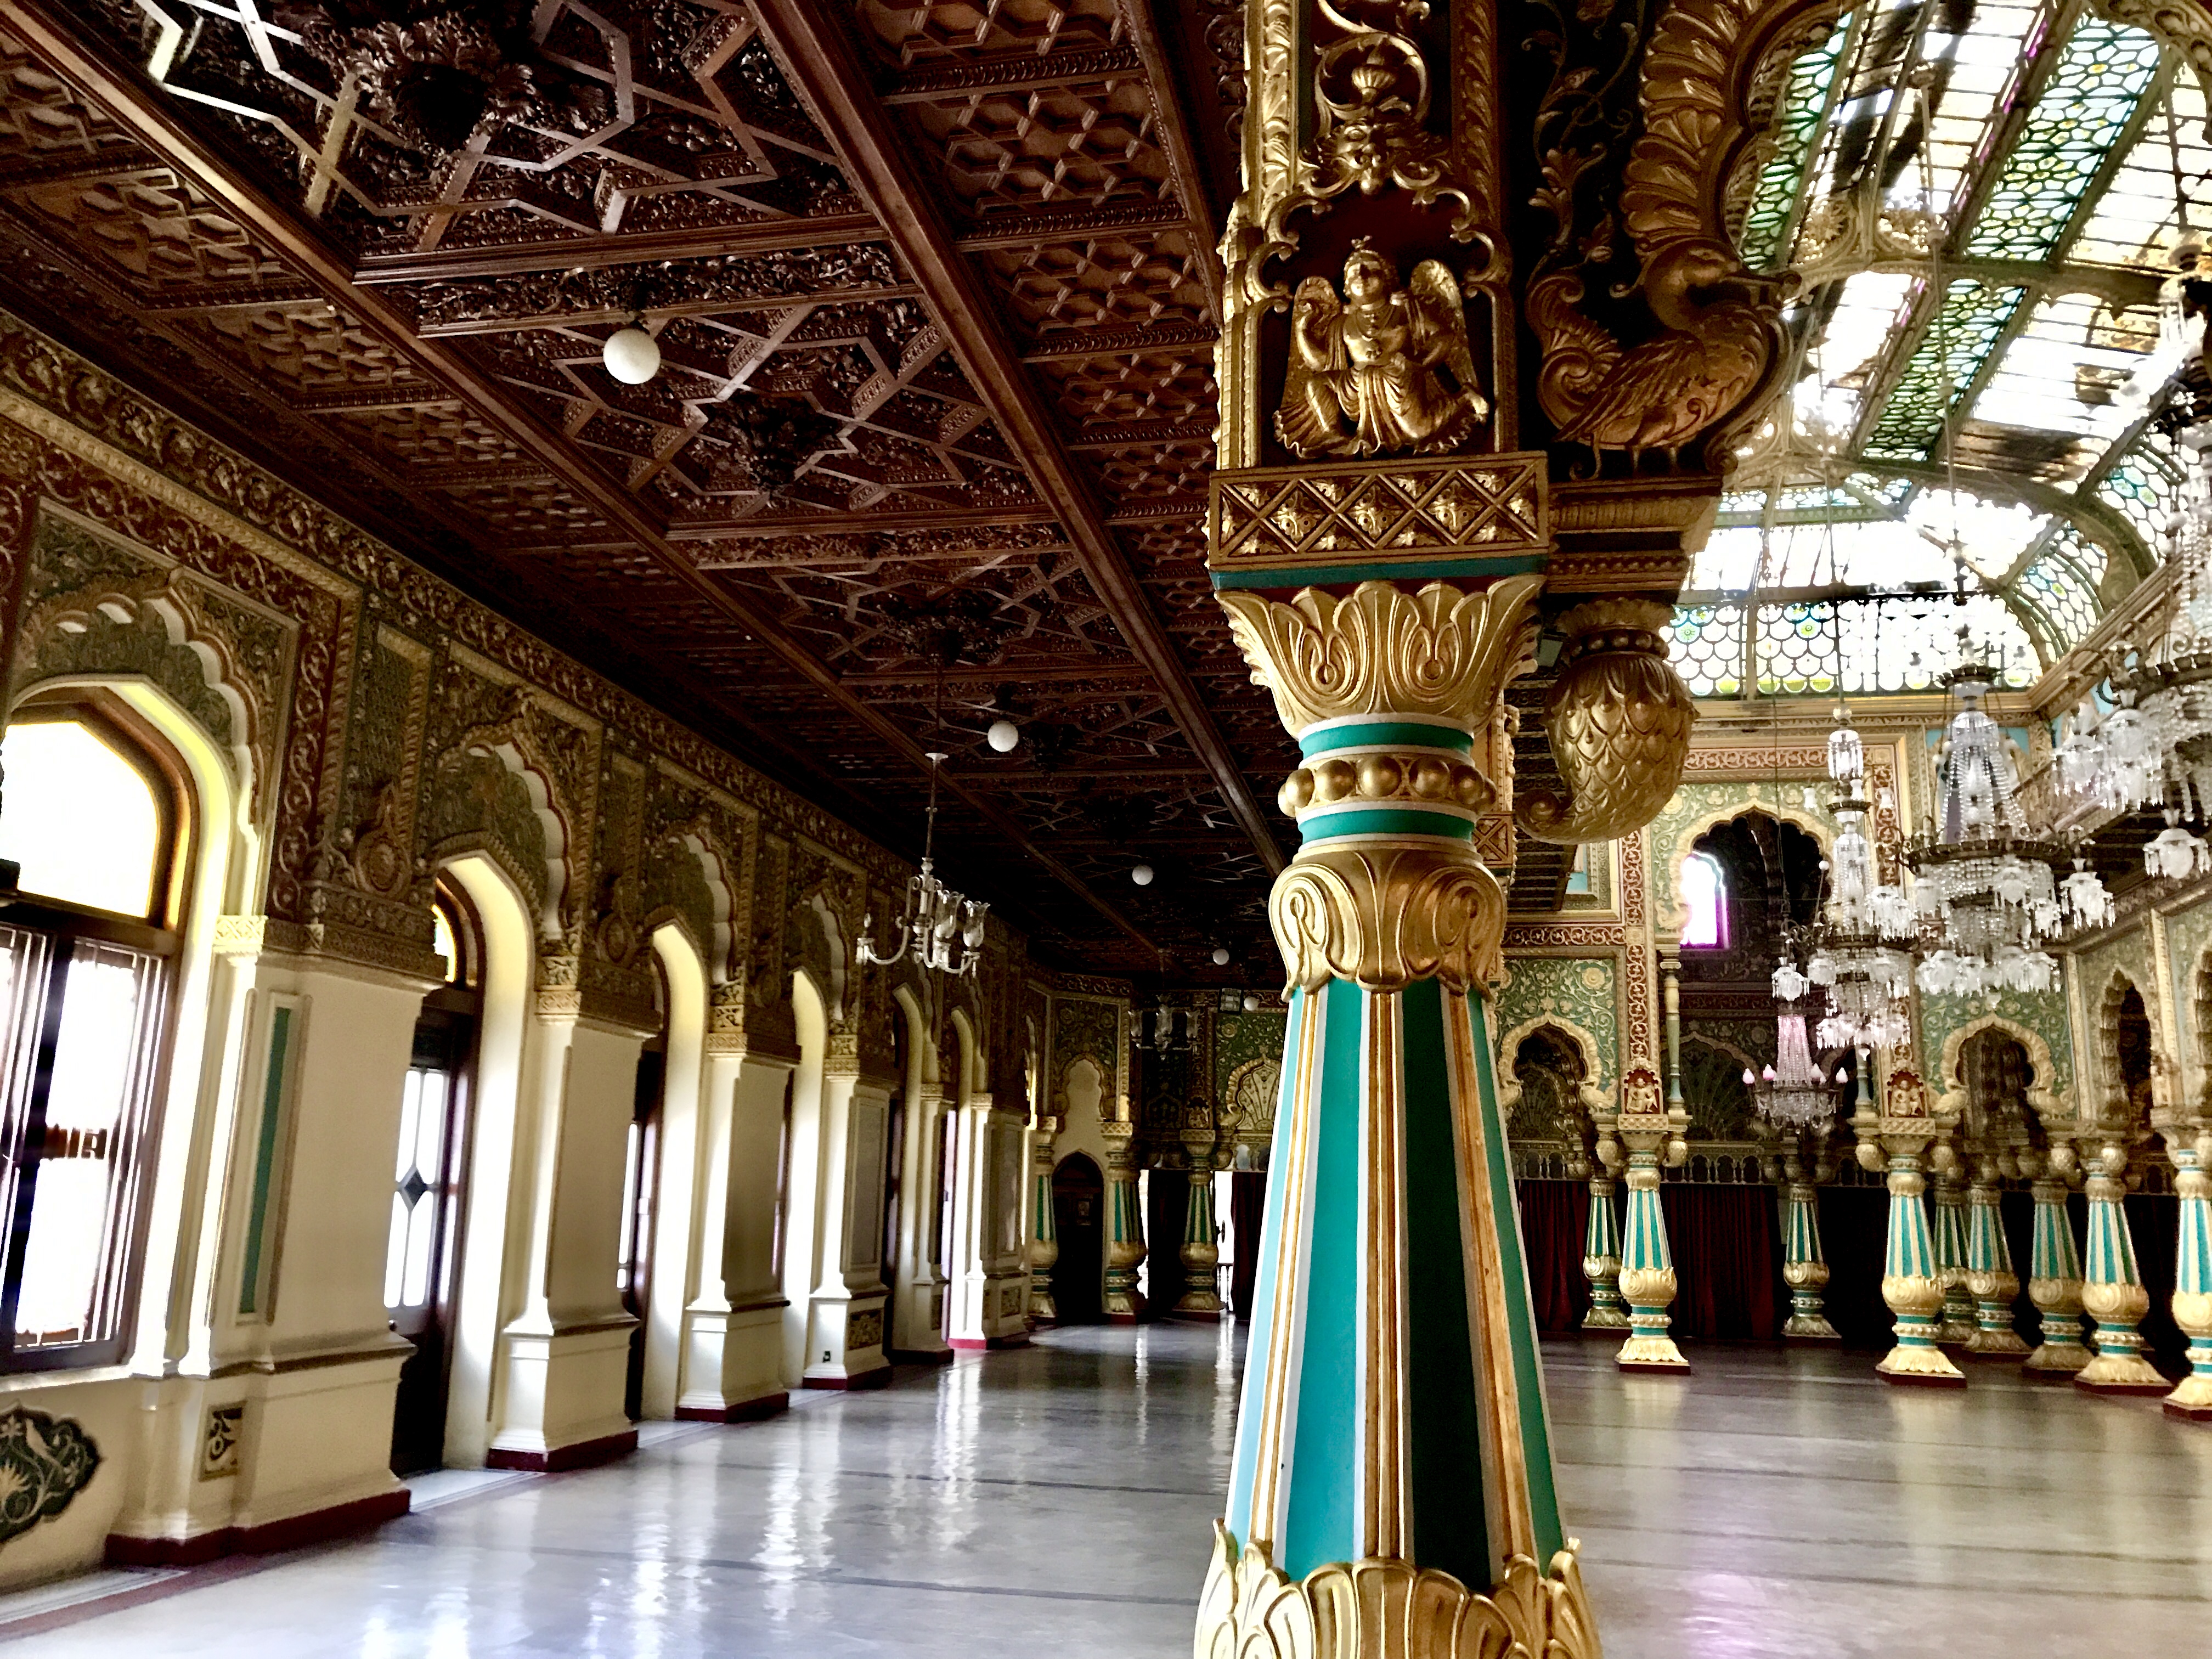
(750, 1411)
(290, 1533)
(581, 1456)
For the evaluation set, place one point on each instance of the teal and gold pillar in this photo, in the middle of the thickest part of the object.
(1895, 1140)
(1602, 1258)
(1990, 1276)
(1804, 1267)
(1393, 1441)
(1651, 1134)
(2054, 1284)
(2112, 1290)
(1044, 1228)
(1125, 1227)
(1200, 1253)
(2192, 1275)
(1948, 1216)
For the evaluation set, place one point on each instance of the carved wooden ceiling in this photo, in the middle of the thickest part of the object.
(935, 287)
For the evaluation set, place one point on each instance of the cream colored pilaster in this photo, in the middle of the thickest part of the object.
(917, 1296)
(845, 1334)
(989, 1305)
(564, 1353)
(733, 1323)
(272, 1307)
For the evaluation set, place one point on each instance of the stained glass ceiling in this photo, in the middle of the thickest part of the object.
(1979, 199)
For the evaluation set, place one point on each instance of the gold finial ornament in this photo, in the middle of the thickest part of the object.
(1618, 721)
(1385, 370)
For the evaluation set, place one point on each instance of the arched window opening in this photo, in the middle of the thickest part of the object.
(85, 945)
(430, 1181)
(1704, 893)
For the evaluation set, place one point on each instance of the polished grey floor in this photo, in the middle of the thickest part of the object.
(1058, 1501)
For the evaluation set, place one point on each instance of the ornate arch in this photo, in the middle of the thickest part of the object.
(1712, 819)
(2114, 1102)
(1749, 1062)
(1951, 1067)
(1591, 1085)
(514, 743)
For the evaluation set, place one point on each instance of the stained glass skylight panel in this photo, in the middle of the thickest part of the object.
(1891, 555)
(2134, 221)
(2057, 374)
(2082, 114)
(1705, 645)
(2145, 486)
(1797, 125)
(1871, 309)
(2061, 587)
(1978, 68)
(1860, 645)
(1941, 368)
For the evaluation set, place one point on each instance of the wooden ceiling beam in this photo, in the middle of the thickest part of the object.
(819, 60)
(619, 248)
(151, 116)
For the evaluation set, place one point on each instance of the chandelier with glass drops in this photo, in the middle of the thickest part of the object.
(1856, 950)
(1795, 1093)
(1985, 888)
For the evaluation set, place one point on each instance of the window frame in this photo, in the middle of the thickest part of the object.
(157, 935)
(1720, 890)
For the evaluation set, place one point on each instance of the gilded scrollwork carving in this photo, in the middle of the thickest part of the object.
(1385, 916)
(1618, 719)
(1383, 1606)
(1386, 369)
(1444, 651)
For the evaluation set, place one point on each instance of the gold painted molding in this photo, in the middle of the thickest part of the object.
(1444, 652)
(1384, 916)
(1381, 1607)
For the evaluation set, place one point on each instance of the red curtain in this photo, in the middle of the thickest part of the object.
(1553, 1217)
(1727, 1260)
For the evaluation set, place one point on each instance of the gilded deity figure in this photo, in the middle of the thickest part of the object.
(1386, 369)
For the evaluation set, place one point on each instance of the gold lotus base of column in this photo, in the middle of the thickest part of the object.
(2121, 1373)
(1646, 1351)
(1996, 1344)
(1606, 1318)
(1383, 1607)
(2058, 1361)
(1921, 1367)
(1810, 1327)
(2192, 1399)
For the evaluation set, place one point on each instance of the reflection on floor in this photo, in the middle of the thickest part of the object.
(1059, 1501)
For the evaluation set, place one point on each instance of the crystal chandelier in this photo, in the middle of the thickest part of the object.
(1854, 951)
(943, 929)
(1794, 1094)
(1985, 889)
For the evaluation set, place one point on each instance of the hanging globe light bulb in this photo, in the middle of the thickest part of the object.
(1142, 875)
(631, 356)
(1220, 956)
(1003, 736)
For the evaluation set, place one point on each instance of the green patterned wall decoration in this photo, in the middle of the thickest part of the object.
(1081, 1026)
(1580, 990)
(1241, 1037)
(2188, 934)
(2127, 954)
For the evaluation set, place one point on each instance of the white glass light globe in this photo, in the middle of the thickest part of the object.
(1003, 736)
(1142, 875)
(631, 356)
(1220, 956)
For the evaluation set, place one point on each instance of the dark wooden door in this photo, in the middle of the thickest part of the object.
(427, 1189)
(1079, 1207)
(641, 1182)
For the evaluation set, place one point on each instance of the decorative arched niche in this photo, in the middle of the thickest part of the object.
(1952, 1069)
(1591, 1081)
(2127, 1051)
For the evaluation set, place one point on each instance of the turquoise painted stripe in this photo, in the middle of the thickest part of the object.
(264, 1159)
(1382, 821)
(1645, 1242)
(1527, 1368)
(1287, 1111)
(1602, 1237)
(2053, 1255)
(1450, 1522)
(2193, 1260)
(1911, 1253)
(2111, 1246)
(1377, 734)
(1317, 1525)
(1379, 570)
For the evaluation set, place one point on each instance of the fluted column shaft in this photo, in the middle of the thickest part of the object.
(1948, 1216)
(1804, 1267)
(1602, 1259)
(1910, 1283)
(1990, 1276)
(2113, 1294)
(1200, 1253)
(2054, 1285)
(2192, 1281)
(1125, 1230)
(1045, 1224)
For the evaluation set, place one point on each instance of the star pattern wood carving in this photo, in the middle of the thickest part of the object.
(936, 292)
